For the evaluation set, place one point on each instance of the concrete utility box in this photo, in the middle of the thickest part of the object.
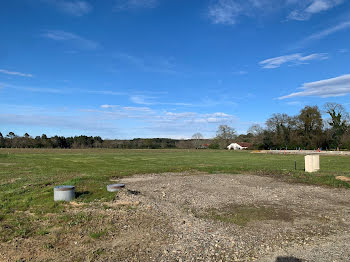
(64, 193)
(312, 163)
(316, 162)
(115, 187)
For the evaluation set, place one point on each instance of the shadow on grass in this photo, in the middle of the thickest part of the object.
(82, 194)
(288, 259)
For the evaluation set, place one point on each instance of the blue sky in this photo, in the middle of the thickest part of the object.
(167, 68)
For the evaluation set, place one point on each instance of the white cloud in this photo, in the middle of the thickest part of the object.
(153, 64)
(173, 115)
(126, 108)
(141, 99)
(308, 8)
(152, 100)
(344, 25)
(193, 117)
(322, 34)
(62, 90)
(217, 114)
(3, 71)
(57, 119)
(32, 89)
(109, 106)
(80, 42)
(134, 4)
(75, 8)
(228, 12)
(293, 59)
(333, 87)
(225, 12)
(135, 109)
(103, 92)
(112, 121)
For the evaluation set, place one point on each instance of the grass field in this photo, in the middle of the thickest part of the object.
(27, 176)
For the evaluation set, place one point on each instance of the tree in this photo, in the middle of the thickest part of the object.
(257, 133)
(2, 140)
(255, 130)
(338, 122)
(197, 137)
(310, 126)
(11, 135)
(225, 135)
(281, 127)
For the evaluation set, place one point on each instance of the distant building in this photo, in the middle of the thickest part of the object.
(239, 146)
(245, 144)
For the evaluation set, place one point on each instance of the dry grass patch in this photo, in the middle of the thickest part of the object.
(243, 214)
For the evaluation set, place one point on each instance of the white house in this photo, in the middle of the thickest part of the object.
(235, 146)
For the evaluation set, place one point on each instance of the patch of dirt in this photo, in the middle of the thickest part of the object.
(197, 217)
(132, 179)
(8, 164)
(242, 215)
(10, 181)
(343, 178)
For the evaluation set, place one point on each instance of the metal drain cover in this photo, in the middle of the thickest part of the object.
(115, 187)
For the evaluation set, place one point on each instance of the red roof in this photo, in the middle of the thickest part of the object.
(245, 144)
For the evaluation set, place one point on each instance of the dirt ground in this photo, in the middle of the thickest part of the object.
(200, 217)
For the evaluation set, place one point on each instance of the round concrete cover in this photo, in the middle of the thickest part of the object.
(115, 187)
(64, 193)
(64, 188)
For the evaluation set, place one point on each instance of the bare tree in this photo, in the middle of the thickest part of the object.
(255, 130)
(197, 137)
(225, 135)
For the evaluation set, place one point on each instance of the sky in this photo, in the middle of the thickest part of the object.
(126, 69)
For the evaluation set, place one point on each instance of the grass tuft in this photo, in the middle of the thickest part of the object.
(96, 235)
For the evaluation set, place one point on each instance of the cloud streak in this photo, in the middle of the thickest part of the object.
(74, 8)
(225, 12)
(229, 12)
(293, 59)
(148, 64)
(6, 72)
(309, 8)
(32, 89)
(332, 30)
(78, 41)
(333, 87)
(122, 5)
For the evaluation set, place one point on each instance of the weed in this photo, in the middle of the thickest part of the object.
(242, 215)
(48, 246)
(96, 235)
(42, 232)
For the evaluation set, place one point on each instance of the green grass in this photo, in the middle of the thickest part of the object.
(27, 176)
(96, 235)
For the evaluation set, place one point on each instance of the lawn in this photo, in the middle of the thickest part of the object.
(27, 176)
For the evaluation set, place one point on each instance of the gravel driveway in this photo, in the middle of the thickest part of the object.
(309, 223)
(200, 217)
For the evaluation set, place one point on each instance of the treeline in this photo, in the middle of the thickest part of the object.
(11, 140)
(307, 130)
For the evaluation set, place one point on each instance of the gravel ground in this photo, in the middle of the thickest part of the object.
(304, 152)
(317, 230)
(169, 217)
